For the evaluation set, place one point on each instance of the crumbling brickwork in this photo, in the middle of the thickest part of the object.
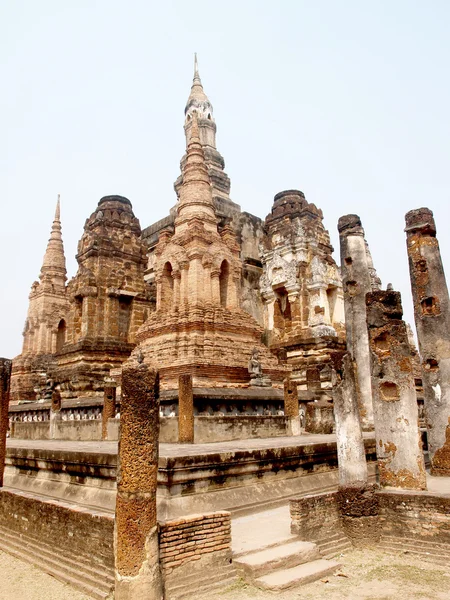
(291, 408)
(422, 516)
(300, 285)
(136, 539)
(399, 444)
(315, 517)
(358, 278)
(45, 328)
(108, 298)
(185, 543)
(432, 317)
(198, 326)
(109, 408)
(5, 377)
(185, 409)
(350, 443)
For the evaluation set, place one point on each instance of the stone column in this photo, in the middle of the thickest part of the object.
(185, 409)
(350, 444)
(109, 407)
(356, 284)
(137, 573)
(5, 377)
(313, 384)
(432, 317)
(399, 445)
(356, 498)
(55, 413)
(291, 408)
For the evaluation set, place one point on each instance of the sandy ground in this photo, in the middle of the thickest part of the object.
(365, 575)
(22, 581)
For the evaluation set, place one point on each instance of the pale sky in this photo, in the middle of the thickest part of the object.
(345, 100)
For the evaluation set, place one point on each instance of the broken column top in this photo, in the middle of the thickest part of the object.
(420, 220)
(350, 225)
(383, 306)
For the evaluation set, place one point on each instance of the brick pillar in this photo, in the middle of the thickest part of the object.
(109, 408)
(313, 384)
(350, 444)
(55, 413)
(356, 284)
(291, 408)
(185, 409)
(399, 446)
(5, 378)
(137, 574)
(432, 317)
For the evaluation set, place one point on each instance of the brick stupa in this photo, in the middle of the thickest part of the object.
(198, 326)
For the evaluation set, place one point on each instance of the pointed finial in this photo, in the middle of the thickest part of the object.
(58, 209)
(196, 73)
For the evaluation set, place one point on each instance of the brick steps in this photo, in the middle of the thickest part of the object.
(191, 586)
(300, 575)
(95, 581)
(429, 551)
(334, 545)
(285, 564)
(283, 556)
(281, 541)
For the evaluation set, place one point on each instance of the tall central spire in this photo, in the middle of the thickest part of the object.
(195, 193)
(54, 264)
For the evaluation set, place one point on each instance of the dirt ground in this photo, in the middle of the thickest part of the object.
(365, 575)
(22, 581)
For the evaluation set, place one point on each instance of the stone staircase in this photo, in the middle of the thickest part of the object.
(334, 545)
(194, 585)
(96, 581)
(430, 551)
(286, 564)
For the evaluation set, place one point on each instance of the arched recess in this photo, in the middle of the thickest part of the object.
(282, 311)
(167, 286)
(224, 282)
(61, 335)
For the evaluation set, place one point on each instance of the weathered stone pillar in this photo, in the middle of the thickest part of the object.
(356, 498)
(313, 384)
(432, 317)
(356, 284)
(350, 444)
(55, 413)
(291, 407)
(109, 407)
(185, 409)
(5, 377)
(399, 445)
(137, 572)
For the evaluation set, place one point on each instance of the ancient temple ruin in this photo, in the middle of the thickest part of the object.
(199, 290)
(233, 341)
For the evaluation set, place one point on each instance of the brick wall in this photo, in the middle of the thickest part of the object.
(415, 515)
(186, 544)
(315, 517)
(64, 528)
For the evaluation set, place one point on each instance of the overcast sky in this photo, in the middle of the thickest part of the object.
(345, 100)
